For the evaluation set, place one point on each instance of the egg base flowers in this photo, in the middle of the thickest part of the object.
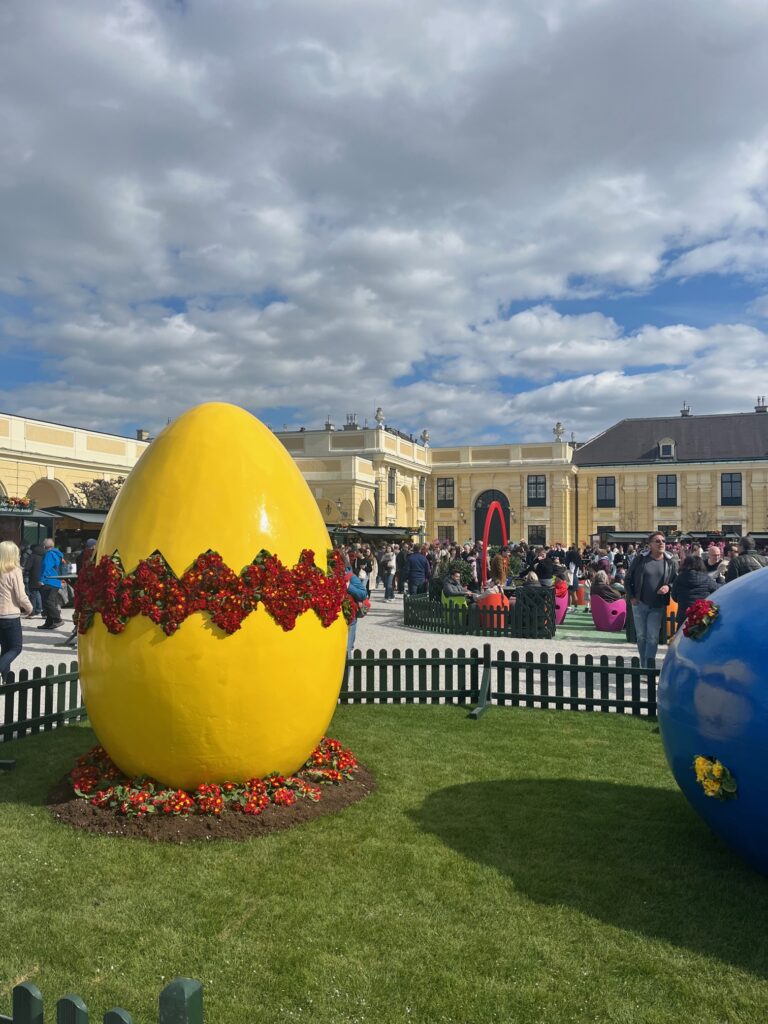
(96, 796)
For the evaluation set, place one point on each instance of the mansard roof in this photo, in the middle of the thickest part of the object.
(726, 437)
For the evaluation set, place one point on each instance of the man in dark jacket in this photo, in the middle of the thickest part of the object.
(746, 561)
(400, 565)
(418, 571)
(34, 567)
(648, 584)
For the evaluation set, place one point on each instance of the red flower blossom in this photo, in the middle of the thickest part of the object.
(97, 779)
(210, 586)
(699, 618)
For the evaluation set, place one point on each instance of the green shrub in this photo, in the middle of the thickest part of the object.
(446, 568)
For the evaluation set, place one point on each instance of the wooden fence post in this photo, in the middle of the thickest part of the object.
(71, 1010)
(181, 1002)
(117, 1016)
(27, 1004)
(483, 701)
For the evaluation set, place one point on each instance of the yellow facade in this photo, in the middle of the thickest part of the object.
(698, 508)
(44, 461)
(375, 476)
(476, 470)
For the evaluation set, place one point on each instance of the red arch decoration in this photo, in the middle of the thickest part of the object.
(495, 506)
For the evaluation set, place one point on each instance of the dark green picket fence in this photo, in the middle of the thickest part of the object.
(181, 1002)
(478, 677)
(531, 617)
(40, 700)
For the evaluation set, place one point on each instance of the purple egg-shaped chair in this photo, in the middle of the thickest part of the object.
(608, 616)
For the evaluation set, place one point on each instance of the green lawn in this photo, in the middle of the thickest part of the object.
(533, 866)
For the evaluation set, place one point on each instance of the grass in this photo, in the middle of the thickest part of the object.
(531, 867)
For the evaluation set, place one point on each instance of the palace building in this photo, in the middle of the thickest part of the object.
(682, 474)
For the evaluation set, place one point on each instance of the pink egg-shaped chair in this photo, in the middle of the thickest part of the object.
(608, 616)
(561, 607)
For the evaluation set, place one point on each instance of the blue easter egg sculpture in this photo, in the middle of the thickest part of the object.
(713, 704)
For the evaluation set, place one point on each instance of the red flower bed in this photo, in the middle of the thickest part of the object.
(98, 780)
(209, 585)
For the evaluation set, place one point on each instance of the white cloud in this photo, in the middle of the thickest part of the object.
(392, 175)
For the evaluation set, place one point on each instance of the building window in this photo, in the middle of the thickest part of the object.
(391, 486)
(732, 528)
(666, 490)
(445, 492)
(537, 534)
(537, 491)
(422, 491)
(730, 489)
(445, 533)
(666, 448)
(668, 529)
(606, 492)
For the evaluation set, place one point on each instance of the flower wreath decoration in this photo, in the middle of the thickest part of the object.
(209, 585)
(700, 617)
(714, 778)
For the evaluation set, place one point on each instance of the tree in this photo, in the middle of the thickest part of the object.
(96, 493)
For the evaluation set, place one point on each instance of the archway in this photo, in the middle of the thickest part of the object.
(48, 493)
(365, 512)
(404, 507)
(499, 530)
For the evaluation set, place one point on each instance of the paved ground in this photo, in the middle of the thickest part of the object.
(381, 629)
(40, 647)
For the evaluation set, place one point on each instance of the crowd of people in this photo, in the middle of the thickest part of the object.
(649, 575)
(32, 579)
(34, 582)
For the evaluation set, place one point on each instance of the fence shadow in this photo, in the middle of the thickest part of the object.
(630, 856)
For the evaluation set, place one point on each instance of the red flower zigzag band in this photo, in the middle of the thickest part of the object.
(209, 585)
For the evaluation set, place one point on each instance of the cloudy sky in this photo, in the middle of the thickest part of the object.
(482, 215)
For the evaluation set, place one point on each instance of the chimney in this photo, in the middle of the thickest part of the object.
(142, 435)
(761, 406)
(686, 410)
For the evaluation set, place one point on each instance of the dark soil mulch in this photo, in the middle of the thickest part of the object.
(167, 828)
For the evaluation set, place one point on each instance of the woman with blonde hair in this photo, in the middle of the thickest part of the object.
(13, 601)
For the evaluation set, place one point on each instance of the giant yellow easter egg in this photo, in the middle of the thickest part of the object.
(204, 705)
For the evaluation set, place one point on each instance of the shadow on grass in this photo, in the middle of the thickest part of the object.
(633, 857)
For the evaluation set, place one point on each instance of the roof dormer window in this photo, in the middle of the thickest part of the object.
(666, 448)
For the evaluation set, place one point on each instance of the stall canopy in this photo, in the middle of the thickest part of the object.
(86, 516)
(372, 534)
(26, 527)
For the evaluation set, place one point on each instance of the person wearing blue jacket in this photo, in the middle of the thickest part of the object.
(358, 593)
(50, 584)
